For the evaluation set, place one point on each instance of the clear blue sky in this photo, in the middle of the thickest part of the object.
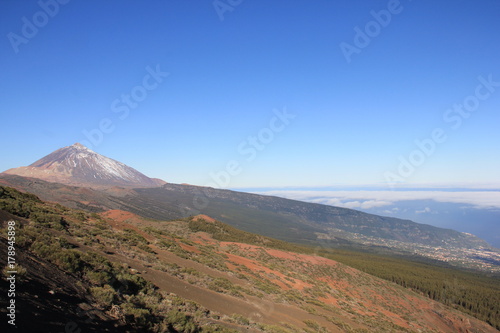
(353, 120)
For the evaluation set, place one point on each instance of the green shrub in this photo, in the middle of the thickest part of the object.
(239, 319)
(146, 248)
(132, 238)
(105, 296)
(137, 315)
(44, 249)
(181, 322)
(130, 284)
(69, 260)
(276, 329)
(312, 324)
(80, 216)
(98, 278)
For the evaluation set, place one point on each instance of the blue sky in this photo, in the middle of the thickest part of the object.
(234, 72)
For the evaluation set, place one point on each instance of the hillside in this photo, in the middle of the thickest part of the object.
(289, 220)
(328, 221)
(196, 274)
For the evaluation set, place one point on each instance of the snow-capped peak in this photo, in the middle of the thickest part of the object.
(77, 164)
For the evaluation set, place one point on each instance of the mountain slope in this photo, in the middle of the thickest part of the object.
(78, 165)
(293, 220)
(299, 222)
(133, 266)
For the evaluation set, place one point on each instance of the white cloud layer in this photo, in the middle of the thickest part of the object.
(423, 211)
(369, 199)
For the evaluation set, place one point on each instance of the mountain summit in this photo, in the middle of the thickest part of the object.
(78, 165)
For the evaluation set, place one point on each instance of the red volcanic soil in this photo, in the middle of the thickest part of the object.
(122, 220)
(189, 248)
(120, 216)
(310, 259)
(204, 217)
(203, 238)
(273, 276)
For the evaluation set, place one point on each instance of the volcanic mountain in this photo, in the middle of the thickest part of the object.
(78, 165)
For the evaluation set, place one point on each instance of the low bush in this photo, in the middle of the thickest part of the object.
(105, 296)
